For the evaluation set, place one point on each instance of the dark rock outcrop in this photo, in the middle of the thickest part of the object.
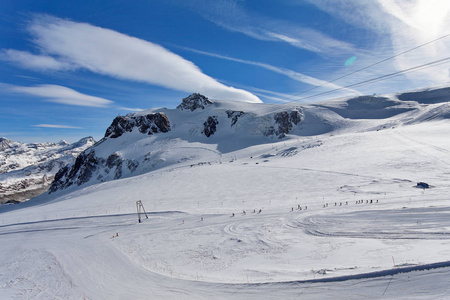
(115, 161)
(210, 126)
(193, 102)
(147, 124)
(284, 123)
(234, 115)
(132, 165)
(81, 172)
(87, 165)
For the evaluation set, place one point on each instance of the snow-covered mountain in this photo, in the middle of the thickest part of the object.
(140, 142)
(200, 130)
(27, 170)
(244, 201)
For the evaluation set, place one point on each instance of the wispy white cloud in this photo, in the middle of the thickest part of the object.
(56, 126)
(231, 16)
(298, 97)
(60, 94)
(297, 76)
(111, 53)
(403, 24)
(131, 109)
(34, 62)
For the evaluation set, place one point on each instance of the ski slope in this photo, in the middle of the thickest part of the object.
(364, 230)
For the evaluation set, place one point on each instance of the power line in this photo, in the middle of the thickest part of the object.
(383, 77)
(369, 66)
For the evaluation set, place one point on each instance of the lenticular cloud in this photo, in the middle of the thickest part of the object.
(111, 53)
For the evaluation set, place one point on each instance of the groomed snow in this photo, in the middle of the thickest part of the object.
(393, 245)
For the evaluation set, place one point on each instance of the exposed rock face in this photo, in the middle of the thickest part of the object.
(84, 166)
(115, 161)
(286, 122)
(210, 126)
(88, 165)
(193, 102)
(234, 116)
(147, 124)
(81, 171)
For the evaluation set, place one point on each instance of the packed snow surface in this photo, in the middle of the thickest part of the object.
(333, 215)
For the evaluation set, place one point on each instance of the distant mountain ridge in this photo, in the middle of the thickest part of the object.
(27, 170)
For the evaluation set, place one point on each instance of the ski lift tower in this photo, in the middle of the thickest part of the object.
(140, 210)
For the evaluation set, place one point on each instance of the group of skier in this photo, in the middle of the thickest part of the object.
(300, 208)
(245, 213)
(324, 206)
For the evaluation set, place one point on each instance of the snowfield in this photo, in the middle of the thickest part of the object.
(333, 215)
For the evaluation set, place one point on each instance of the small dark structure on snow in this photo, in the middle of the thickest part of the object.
(423, 185)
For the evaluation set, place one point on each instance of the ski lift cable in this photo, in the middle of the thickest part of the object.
(369, 66)
(383, 77)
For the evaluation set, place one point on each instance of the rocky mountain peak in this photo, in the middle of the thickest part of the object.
(63, 143)
(89, 141)
(193, 102)
(147, 124)
(4, 143)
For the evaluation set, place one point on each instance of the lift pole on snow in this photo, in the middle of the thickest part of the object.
(140, 209)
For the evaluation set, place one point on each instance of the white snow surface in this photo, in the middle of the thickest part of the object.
(364, 230)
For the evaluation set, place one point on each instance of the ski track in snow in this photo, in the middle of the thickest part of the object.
(40, 284)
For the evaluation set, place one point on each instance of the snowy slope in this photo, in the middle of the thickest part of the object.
(27, 170)
(364, 231)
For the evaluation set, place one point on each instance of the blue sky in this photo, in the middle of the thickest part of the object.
(68, 68)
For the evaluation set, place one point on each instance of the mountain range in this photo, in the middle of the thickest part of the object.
(27, 170)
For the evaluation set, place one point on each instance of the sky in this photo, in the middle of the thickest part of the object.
(68, 68)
